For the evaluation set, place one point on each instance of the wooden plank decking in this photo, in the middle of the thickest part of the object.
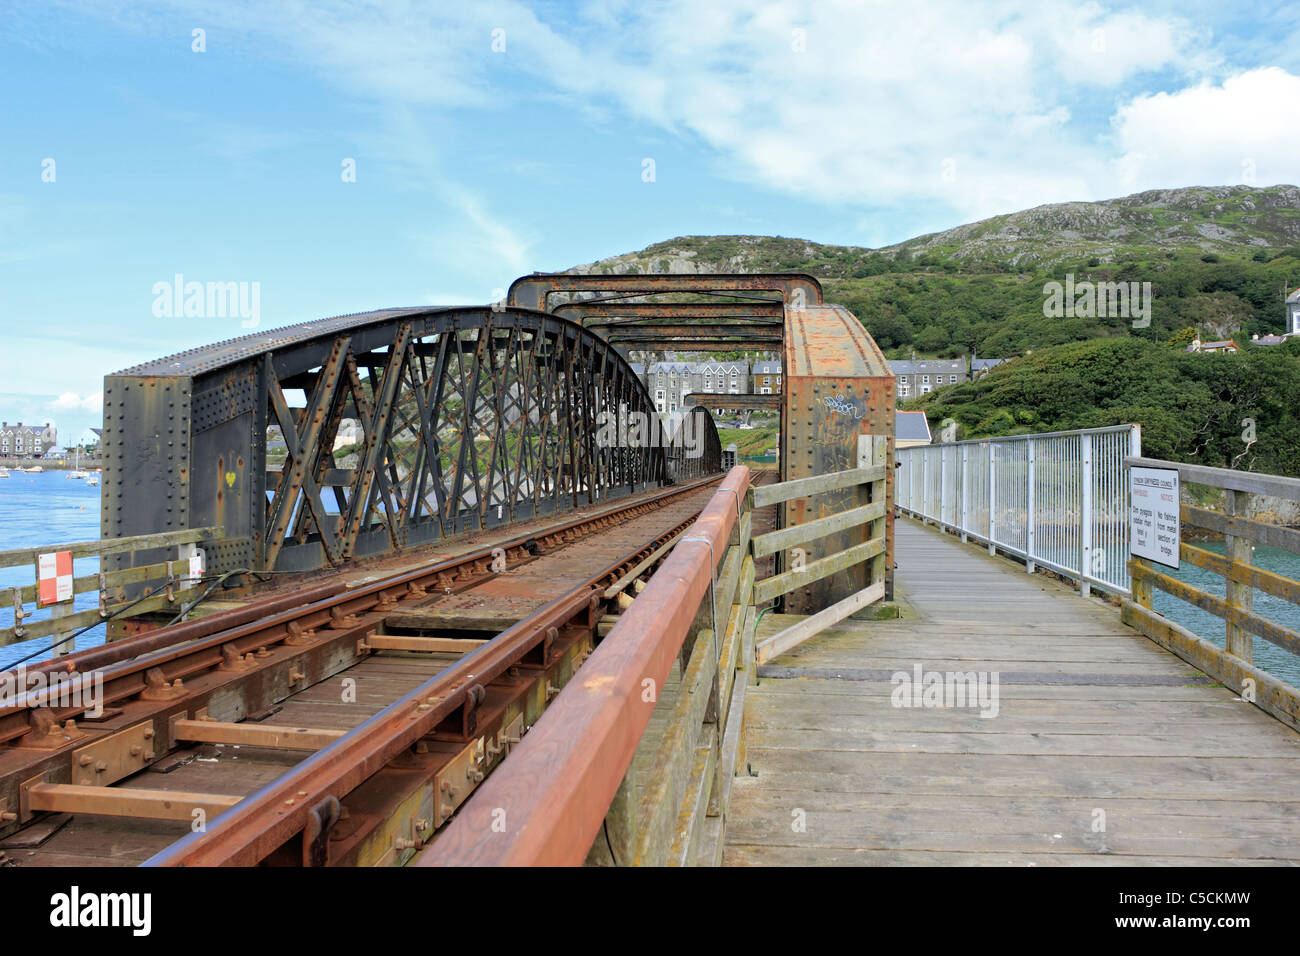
(1092, 719)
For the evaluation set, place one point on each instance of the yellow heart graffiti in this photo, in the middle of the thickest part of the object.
(230, 479)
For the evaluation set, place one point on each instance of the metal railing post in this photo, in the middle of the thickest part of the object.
(925, 484)
(942, 487)
(1085, 513)
(1029, 507)
(965, 492)
(993, 493)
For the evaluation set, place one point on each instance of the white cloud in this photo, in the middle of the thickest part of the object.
(1015, 94)
(1211, 134)
(1095, 47)
(71, 401)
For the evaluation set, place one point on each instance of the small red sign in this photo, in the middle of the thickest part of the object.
(54, 576)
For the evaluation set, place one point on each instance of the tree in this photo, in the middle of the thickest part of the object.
(932, 339)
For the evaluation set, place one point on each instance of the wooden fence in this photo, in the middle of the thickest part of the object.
(1233, 663)
(166, 584)
(680, 817)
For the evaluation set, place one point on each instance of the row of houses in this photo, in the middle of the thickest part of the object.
(27, 441)
(670, 382)
(921, 376)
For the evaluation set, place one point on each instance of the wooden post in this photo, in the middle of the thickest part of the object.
(1142, 588)
(621, 821)
(64, 643)
(1240, 553)
(876, 454)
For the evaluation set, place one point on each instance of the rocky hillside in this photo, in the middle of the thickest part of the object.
(1218, 260)
(1223, 220)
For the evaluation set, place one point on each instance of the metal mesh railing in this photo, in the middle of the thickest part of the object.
(1058, 499)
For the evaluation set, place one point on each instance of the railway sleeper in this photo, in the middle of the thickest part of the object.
(398, 810)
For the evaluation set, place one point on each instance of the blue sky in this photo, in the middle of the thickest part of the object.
(861, 122)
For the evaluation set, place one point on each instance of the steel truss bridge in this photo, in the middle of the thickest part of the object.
(470, 418)
(499, 584)
(427, 502)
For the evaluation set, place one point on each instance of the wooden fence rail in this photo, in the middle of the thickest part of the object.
(873, 464)
(646, 780)
(170, 580)
(679, 817)
(1233, 664)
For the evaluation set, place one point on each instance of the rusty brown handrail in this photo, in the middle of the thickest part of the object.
(546, 804)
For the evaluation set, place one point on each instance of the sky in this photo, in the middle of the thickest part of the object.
(336, 157)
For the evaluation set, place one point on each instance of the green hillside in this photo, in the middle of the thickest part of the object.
(1219, 260)
(1218, 257)
(1191, 406)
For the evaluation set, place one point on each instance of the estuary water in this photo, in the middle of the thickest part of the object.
(49, 508)
(1267, 656)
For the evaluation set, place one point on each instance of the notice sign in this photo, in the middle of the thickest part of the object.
(1153, 515)
(54, 577)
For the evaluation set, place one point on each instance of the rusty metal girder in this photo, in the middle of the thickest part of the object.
(714, 335)
(837, 386)
(591, 313)
(723, 400)
(469, 419)
(534, 291)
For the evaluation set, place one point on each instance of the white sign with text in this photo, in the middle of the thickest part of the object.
(1153, 515)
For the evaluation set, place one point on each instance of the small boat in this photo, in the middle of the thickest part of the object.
(92, 480)
(34, 470)
(76, 471)
(4, 472)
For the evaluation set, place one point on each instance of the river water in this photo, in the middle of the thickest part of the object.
(1268, 656)
(51, 508)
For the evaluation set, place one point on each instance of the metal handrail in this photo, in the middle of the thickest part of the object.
(1054, 499)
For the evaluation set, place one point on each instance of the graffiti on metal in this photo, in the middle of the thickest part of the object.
(839, 405)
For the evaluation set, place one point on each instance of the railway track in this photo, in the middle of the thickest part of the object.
(342, 724)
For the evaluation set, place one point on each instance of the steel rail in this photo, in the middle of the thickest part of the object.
(264, 821)
(197, 645)
(558, 783)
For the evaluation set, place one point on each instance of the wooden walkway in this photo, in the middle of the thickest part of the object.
(1106, 749)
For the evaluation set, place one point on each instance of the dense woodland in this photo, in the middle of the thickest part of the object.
(1191, 406)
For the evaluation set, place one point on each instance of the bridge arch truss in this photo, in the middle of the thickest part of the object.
(388, 430)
